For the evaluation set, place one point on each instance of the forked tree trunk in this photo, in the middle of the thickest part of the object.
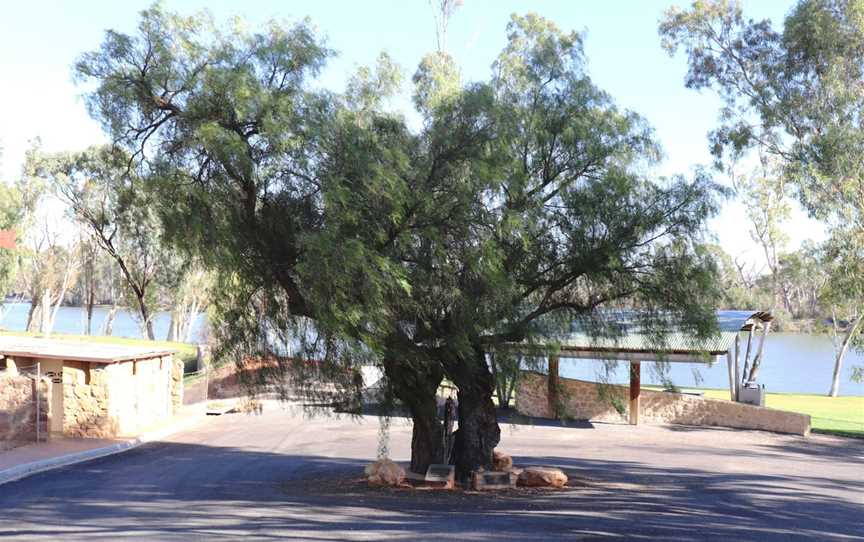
(32, 313)
(417, 388)
(478, 432)
(147, 321)
(108, 326)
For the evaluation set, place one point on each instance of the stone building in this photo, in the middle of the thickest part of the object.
(96, 390)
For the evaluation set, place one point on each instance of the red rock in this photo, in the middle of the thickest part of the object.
(542, 477)
(384, 473)
(501, 461)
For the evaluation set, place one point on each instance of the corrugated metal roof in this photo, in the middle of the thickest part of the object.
(624, 332)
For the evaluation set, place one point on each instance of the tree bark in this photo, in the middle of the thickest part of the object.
(91, 300)
(35, 302)
(172, 328)
(45, 326)
(108, 326)
(478, 432)
(838, 362)
(417, 388)
(145, 316)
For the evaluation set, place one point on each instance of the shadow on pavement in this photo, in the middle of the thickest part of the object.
(173, 491)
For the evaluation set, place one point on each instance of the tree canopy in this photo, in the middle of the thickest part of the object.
(522, 201)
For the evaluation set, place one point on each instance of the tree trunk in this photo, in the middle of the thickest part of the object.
(91, 300)
(145, 317)
(838, 363)
(190, 320)
(45, 327)
(35, 301)
(108, 326)
(478, 432)
(67, 279)
(172, 328)
(417, 388)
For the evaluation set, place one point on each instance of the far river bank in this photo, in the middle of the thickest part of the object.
(794, 362)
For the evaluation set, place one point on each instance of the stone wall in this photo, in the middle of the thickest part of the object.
(86, 401)
(18, 412)
(578, 399)
(108, 400)
(141, 393)
(177, 370)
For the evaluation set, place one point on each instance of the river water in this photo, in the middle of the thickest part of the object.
(793, 362)
(74, 319)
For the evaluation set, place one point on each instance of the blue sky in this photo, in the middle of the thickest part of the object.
(39, 40)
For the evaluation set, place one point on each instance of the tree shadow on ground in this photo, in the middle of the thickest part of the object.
(173, 491)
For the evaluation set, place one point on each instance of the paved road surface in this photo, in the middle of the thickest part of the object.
(282, 477)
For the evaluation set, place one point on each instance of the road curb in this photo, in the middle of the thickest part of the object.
(28, 469)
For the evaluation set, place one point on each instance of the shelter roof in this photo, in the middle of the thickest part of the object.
(92, 352)
(631, 337)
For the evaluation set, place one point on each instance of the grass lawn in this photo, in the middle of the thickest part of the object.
(843, 416)
(187, 352)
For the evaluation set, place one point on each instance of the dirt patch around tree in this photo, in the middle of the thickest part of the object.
(350, 485)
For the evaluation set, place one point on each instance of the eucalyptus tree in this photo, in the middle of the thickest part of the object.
(116, 209)
(793, 95)
(11, 215)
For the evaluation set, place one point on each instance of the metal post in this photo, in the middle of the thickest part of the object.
(635, 386)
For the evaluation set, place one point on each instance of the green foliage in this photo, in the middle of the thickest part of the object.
(793, 96)
(340, 235)
(117, 208)
(11, 216)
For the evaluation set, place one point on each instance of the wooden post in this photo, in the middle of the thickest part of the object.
(635, 384)
(552, 383)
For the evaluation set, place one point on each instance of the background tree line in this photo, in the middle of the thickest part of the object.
(88, 236)
(792, 105)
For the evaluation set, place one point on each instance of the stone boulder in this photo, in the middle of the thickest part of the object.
(384, 473)
(542, 477)
(501, 461)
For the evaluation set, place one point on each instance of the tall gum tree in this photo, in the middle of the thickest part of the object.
(792, 94)
(115, 208)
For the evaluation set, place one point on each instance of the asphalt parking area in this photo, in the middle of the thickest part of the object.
(283, 476)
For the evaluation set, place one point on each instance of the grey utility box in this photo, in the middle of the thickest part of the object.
(752, 394)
